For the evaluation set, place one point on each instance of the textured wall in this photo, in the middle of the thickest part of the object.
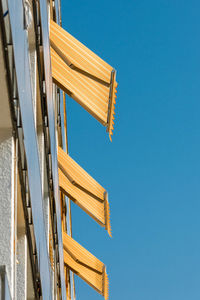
(21, 265)
(7, 208)
(0, 287)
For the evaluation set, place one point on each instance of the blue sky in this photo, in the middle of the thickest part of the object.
(152, 167)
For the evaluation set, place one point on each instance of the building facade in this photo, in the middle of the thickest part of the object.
(39, 63)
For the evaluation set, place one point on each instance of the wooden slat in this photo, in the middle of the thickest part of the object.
(97, 208)
(79, 55)
(90, 205)
(83, 75)
(80, 177)
(111, 117)
(85, 265)
(81, 254)
(90, 95)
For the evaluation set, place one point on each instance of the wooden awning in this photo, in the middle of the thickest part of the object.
(85, 265)
(85, 191)
(83, 75)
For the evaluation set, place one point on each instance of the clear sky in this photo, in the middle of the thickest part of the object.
(152, 167)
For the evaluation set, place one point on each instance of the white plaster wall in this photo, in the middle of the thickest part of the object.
(0, 287)
(7, 209)
(21, 265)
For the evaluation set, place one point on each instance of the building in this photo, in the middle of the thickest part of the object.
(39, 63)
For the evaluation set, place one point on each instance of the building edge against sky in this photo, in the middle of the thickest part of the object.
(38, 256)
